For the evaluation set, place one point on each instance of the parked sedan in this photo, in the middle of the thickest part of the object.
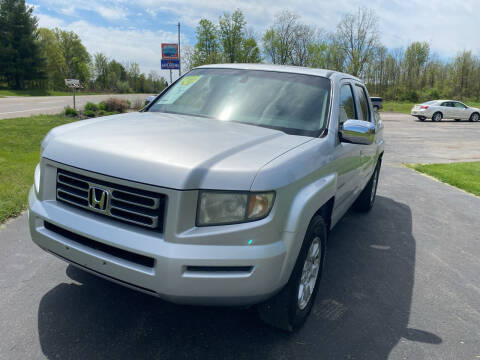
(445, 109)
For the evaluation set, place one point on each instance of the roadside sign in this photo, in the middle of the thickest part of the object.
(169, 51)
(72, 83)
(170, 64)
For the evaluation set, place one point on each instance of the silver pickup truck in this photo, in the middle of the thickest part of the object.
(222, 191)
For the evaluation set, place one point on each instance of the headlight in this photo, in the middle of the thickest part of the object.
(224, 207)
(36, 178)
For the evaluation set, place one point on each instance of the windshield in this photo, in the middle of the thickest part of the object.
(294, 103)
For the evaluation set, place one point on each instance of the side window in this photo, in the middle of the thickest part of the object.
(347, 104)
(459, 105)
(444, 104)
(364, 113)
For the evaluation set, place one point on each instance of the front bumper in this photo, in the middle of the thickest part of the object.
(180, 272)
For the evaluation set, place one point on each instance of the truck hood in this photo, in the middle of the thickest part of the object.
(169, 150)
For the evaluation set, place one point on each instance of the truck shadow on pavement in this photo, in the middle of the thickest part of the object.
(361, 312)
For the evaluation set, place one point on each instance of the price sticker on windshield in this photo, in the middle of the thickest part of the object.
(179, 89)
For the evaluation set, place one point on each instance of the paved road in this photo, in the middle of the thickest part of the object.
(19, 106)
(400, 283)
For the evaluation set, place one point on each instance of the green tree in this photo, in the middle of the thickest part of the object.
(20, 55)
(55, 66)
(231, 35)
(250, 52)
(207, 47)
(101, 70)
(77, 58)
(415, 61)
(317, 55)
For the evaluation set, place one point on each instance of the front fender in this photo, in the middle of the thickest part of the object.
(305, 204)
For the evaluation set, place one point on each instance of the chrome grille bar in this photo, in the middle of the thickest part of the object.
(124, 203)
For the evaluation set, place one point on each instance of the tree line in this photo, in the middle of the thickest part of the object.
(413, 73)
(32, 57)
(42, 58)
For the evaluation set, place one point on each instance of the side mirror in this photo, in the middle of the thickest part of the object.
(357, 132)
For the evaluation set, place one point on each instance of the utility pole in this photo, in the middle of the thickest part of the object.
(179, 59)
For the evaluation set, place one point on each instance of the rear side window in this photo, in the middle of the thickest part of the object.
(347, 104)
(364, 111)
(459, 105)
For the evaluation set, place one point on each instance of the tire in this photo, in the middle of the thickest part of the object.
(457, 120)
(421, 118)
(366, 199)
(437, 116)
(285, 310)
(474, 117)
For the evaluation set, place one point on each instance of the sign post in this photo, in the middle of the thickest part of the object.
(170, 58)
(73, 84)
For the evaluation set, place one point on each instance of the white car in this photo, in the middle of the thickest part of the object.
(445, 109)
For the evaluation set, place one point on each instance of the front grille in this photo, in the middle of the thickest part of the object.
(119, 253)
(123, 203)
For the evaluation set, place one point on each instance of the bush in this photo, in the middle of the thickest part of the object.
(138, 104)
(101, 113)
(118, 105)
(411, 96)
(102, 106)
(70, 112)
(91, 107)
(89, 113)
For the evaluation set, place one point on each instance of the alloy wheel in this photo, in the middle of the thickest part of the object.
(310, 271)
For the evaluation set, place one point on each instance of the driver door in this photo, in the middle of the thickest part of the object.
(346, 156)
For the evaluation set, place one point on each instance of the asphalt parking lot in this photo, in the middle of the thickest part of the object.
(401, 282)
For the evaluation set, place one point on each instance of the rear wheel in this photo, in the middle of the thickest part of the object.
(367, 197)
(289, 309)
(474, 117)
(421, 118)
(437, 116)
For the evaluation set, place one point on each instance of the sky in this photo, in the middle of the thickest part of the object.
(134, 30)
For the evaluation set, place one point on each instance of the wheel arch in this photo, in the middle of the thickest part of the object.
(317, 198)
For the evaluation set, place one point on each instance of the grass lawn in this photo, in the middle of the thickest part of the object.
(41, 92)
(19, 153)
(406, 107)
(464, 175)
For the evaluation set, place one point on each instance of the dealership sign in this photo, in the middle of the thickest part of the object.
(170, 64)
(169, 51)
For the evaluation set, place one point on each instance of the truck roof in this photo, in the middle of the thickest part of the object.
(283, 68)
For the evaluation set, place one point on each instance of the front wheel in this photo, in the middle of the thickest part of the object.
(474, 117)
(289, 309)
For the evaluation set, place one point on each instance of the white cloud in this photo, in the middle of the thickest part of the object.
(112, 10)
